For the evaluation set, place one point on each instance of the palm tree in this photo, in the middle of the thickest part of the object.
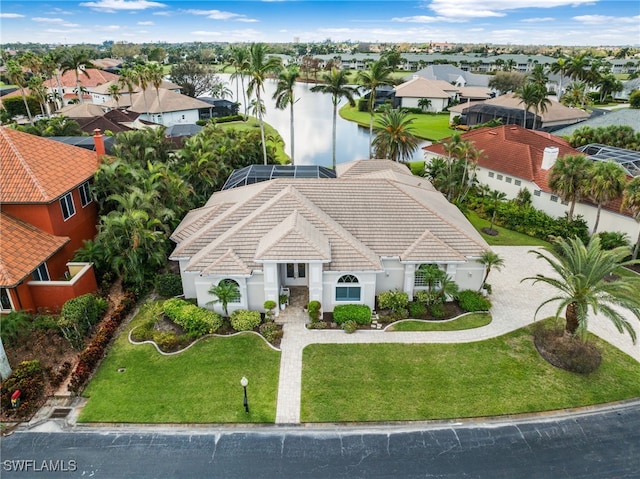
(128, 79)
(379, 74)
(490, 260)
(424, 104)
(567, 179)
(560, 67)
(335, 83)
(155, 74)
(607, 183)
(240, 63)
(631, 201)
(529, 95)
(576, 67)
(114, 91)
(495, 197)
(285, 96)
(226, 291)
(141, 77)
(75, 60)
(259, 66)
(395, 139)
(17, 77)
(581, 281)
(39, 91)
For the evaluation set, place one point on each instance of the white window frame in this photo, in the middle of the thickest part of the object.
(517, 182)
(84, 190)
(38, 273)
(11, 307)
(554, 198)
(67, 200)
(350, 285)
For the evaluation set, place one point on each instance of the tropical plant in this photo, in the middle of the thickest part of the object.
(560, 67)
(495, 197)
(285, 96)
(17, 76)
(394, 138)
(607, 182)
(631, 201)
(114, 91)
(75, 60)
(239, 60)
(155, 74)
(532, 95)
(567, 179)
(335, 83)
(128, 79)
(378, 74)
(424, 104)
(259, 66)
(581, 280)
(226, 291)
(141, 75)
(490, 260)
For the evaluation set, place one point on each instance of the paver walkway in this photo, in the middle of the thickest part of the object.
(514, 306)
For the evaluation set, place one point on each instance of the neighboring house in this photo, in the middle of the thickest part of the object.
(67, 87)
(221, 107)
(510, 110)
(344, 239)
(625, 116)
(514, 158)
(171, 109)
(452, 75)
(440, 93)
(628, 87)
(101, 94)
(81, 110)
(47, 214)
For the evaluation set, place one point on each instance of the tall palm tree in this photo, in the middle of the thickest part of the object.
(155, 74)
(568, 179)
(560, 67)
(581, 273)
(607, 183)
(336, 84)
(285, 96)
(259, 66)
(39, 91)
(631, 201)
(75, 60)
(529, 95)
(114, 91)
(379, 74)
(141, 74)
(240, 62)
(577, 67)
(490, 260)
(17, 77)
(395, 139)
(128, 79)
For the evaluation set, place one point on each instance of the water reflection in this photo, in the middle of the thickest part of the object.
(313, 117)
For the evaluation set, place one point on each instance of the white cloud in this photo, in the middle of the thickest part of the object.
(146, 23)
(108, 28)
(11, 15)
(47, 20)
(204, 33)
(424, 19)
(605, 19)
(65, 32)
(222, 15)
(111, 6)
(70, 25)
(492, 8)
(162, 14)
(538, 20)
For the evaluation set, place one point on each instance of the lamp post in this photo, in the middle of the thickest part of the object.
(243, 382)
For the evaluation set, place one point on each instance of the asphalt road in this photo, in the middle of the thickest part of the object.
(604, 444)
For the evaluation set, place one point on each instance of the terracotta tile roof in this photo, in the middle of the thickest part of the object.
(513, 150)
(40, 170)
(68, 79)
(23, 248)
(352, 221)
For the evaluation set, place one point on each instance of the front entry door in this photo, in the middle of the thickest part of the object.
(296, 274)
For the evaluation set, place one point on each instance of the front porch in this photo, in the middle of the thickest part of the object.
(294, 312)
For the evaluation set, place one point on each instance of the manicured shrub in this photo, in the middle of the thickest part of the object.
(244, 320)
(169, 285)
(417, 310)
(350, 326)
(85, 311)
(269, 306)
(394, 300)
(271, 332)
(167, 341)
(318, 325)
(613, 239)
(195, 321)
(360, 313)
(473, 301)
(28, 377)
(12, 325)
(437, 310)
(314, 308)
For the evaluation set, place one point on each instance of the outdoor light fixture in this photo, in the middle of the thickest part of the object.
(243, 382)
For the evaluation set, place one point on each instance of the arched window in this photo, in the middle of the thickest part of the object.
(348, 288)
(231, 282)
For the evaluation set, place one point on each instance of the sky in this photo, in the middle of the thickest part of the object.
(548, 22)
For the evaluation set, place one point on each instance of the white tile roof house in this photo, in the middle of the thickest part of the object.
(346, 239)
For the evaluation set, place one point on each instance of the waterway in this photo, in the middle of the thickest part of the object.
(313, 118)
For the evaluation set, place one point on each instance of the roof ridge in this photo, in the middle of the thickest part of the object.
(23, 162)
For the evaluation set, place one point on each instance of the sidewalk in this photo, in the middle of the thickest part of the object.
(514, 306)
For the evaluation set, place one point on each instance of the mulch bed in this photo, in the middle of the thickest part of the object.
(564, 351)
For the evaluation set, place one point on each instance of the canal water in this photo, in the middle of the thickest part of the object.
(313, 117)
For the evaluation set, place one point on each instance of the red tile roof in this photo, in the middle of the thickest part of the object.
(23, 248)
(40, 170)
(513, 150)
(96, 77)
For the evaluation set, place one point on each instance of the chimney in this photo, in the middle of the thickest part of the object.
(549, 157)
(98, 140)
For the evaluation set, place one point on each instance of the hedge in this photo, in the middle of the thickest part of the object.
(395, 300)
(169, 285)
(195, 321)
(245, 320)
(472, 301)
(360, 313)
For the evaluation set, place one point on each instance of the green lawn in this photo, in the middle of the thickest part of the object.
(200, 385)
(468, 321)
(409, 382)
(504, 237)
(427, 126)
(269, 132)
